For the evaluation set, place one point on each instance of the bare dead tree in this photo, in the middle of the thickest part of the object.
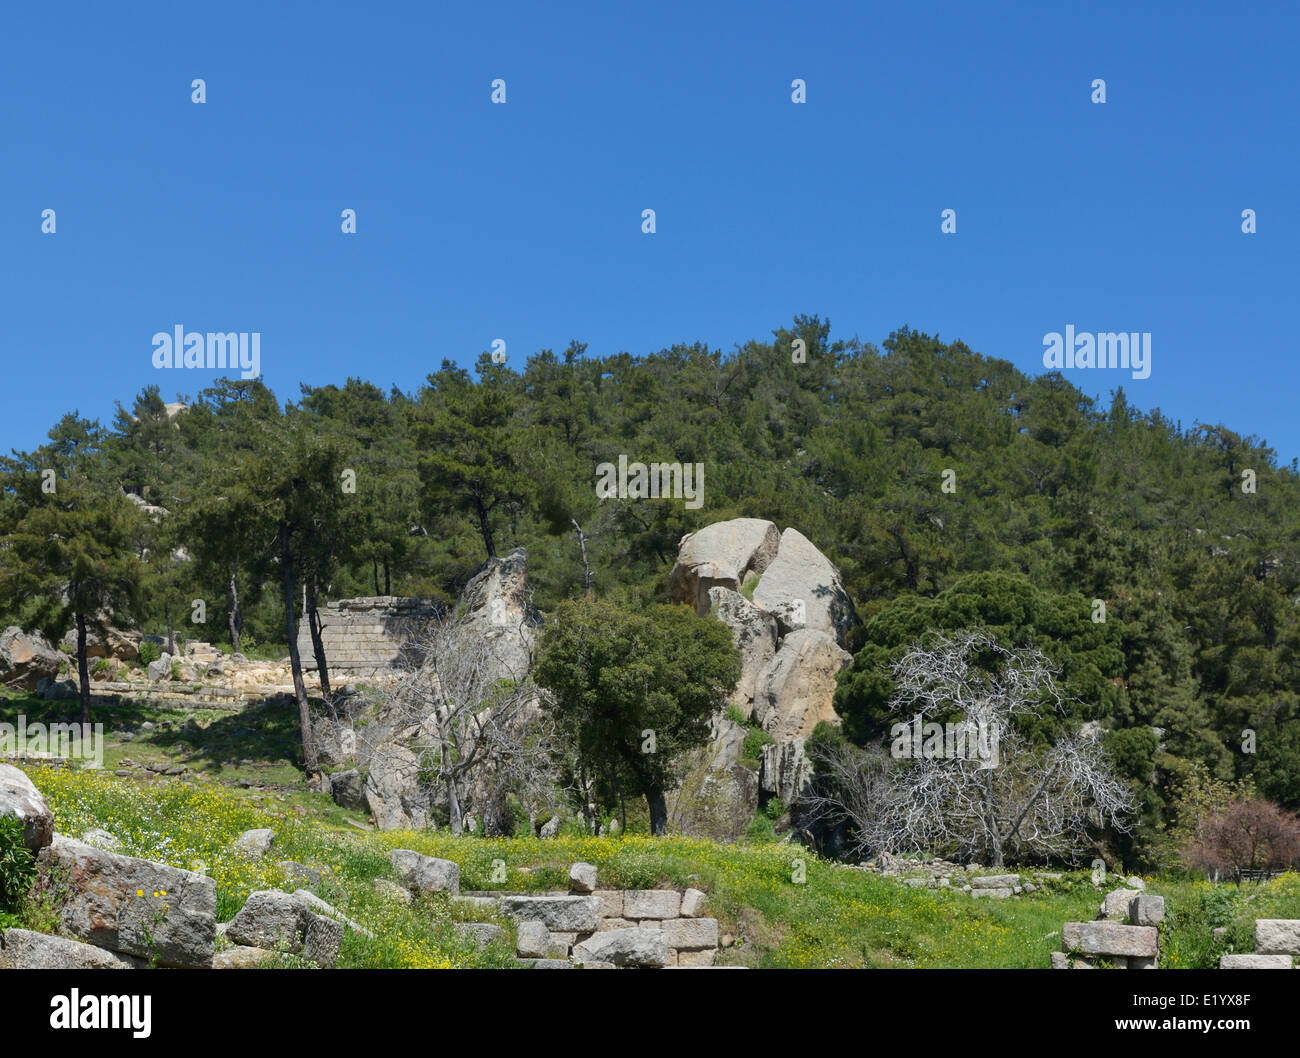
(1003, 797)
(461, 718)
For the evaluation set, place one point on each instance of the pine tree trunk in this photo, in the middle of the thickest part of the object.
(485, 529)
(658, 812)
(235, 615)
(374, 572)
(83, 669)
(310, 761)
(317, 642)
(387, 586)
(171, 632)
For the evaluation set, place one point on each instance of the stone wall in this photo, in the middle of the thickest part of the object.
(363, 636)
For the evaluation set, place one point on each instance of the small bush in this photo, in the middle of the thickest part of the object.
(755, 739)
(774, 809)
(760, 831)
(149, 652)
(17, 864)
(176, 670)
(102, 665)
(735, 715)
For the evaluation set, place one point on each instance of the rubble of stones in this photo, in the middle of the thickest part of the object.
(939, 873)
(1125, 935)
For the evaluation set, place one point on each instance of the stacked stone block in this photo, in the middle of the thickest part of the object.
(1277, 942)
(1124, 937)
(363, 637)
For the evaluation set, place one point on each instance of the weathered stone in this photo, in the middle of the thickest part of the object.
(160, 670)
(611, 902)
(533, 939)
(576, 914)
(625, 947)
(1060, 961)
(315, 903)
(786, 770)
(131, 905)
(1134, 882)
(651, 903)
(1110, 938)
(254, 844)
(795, 691)
(607, 924)
(686, 933)
(546, 964)
(21, 949)
(995, 881)
(1277, 936)
(20, 798)
(693, 903)
(754, 633)
(348, 790)
(802, 588)
(721, 555)
(240, 958)
(1147, 909)
(1142, 962)
(1115, 905)
(582, 878)
(26, 658)
(1255, 962)
(424, 873)
(286, 923)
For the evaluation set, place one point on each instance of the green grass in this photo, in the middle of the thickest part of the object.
(833, 917)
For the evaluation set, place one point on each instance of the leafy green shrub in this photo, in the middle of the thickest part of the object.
(17, 864)
(149, 652)
(774, 809)
(760, 831)
(102, 665)
(735, 715)
(747, 589)
(755, 739)
(176, 670)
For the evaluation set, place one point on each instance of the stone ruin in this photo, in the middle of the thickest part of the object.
(1125, 936)
(363, 637)
(1277, 943)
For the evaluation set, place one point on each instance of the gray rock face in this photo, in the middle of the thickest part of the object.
(316, 904)
(254, 844)
(693, 902)
(26, 658)
(795, 691)
(802, 589)
(1147, 909)
(21, 949)
(582, 878)
(624, 947)
(754, 633)
(786, 769)
(286, 923)
(496, 607)
(240, 958)
(348, 790)
(691, 933)
(174, 921)
(20, 798)
(1277, 936)
(1115, 906)
(533, 939)
(160, 670)
(651, 903)
(1110, 938)
(721, 555)
(1255, 962)
(424, 873)
(561, 914)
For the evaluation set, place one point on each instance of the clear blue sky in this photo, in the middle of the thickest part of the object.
(523, 222)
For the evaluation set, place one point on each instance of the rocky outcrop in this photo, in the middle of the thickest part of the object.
(496, 607)
(129, 905)
(796, 690)
(20, 798)
(721, 555)
(718, 793)
(802, 589)
(288, 923)
(789, 617)
(105, 642)
(26, 658)
(755, 634)
(20, 949)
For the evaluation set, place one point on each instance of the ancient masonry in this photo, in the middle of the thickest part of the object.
(1126, 937)
(363, 637)
(1277, 943)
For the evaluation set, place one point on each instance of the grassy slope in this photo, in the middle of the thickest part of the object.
(837, 917)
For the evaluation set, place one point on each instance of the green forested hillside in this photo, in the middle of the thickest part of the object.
(1057, 502)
